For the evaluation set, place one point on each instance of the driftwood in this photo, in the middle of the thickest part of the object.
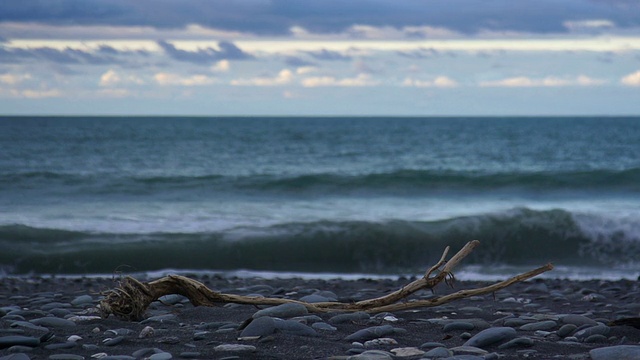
(131, 299)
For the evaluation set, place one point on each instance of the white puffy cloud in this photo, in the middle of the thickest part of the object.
(589, 25)
(168, 79)
(221, 66)
(549, 81)
(112, 78)
(632, 79)
(284, 77)
(440, 81)
(360, 80)
(14, 79)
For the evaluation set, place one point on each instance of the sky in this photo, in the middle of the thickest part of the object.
(320, 57)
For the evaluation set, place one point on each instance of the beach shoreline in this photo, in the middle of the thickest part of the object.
(542, 306)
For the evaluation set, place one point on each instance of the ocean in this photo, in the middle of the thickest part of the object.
(312, 196)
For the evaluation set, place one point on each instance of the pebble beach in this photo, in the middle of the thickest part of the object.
(56, 318)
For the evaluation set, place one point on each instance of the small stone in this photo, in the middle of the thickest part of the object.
(371, 333)
(372, 355)
(619, 352)
(458, 325)
(235, 348)
(18, 356)
(578, 320)
(146, 332)
(82, 300)
(438, 352)
(58, 346)
(407, 352)
(350, 317)
(161, 356)
(287, 310)
(113, 341)
(166, 318)
(491, 336)
(66, 357)
(293, 327)
(11, 340)
(74, 338)
(190, 355)
(261, 326)
(540, 325)
(379, 342)
(468, 350)
(323, 326)
(595, 338)
(566, 330)
(53, 322)
(517, 342)
(598, 329)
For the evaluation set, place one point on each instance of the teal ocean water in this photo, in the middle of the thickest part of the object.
(98, 195)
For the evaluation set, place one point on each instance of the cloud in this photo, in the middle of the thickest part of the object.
(112, 78)
(549, 81)
(320, 81)
(297, 62)
(589, 25)
(284, 77)
(14, 79)
(221, 66)
(226, 51)
(325, 54)
(631, 79)
(440, 81)
(279, 17)
(39, 94)
(169, 79)
(103, 55)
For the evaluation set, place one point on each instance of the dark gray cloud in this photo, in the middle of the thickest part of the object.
(67, 56)
(325, 54)
(270, 17)
(298, 62)
(228, 51)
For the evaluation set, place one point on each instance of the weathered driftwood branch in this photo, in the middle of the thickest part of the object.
(132, 298)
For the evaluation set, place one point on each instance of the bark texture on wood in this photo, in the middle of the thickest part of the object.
(132, 298)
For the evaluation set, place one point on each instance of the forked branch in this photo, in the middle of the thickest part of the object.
(132, 298)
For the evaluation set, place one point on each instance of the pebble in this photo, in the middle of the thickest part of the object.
(592, 330)
(53, 322)
(380, 341)
(66, 357)
(160, 356)
(323, 326)
(259, 327)
(294, 328)
(541, 325)
(578, 320)
(517, 342)
(349, 317)
(235, 348)
(566, 330)
(113, 341)
(619, 352)
(491, 336)
(372, 355)
(438, 352)
(458, 325)
(11, 340)
(371, 333)
(406, 352)
(146, 332)
(283, 311)
(18, 356)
